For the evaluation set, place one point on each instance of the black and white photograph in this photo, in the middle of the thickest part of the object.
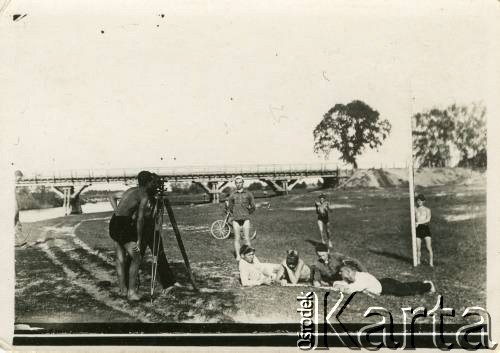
(305, 175)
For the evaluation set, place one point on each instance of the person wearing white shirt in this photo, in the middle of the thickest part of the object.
(354, 281)
(252, 271)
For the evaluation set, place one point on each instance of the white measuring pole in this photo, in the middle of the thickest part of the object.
(411, 187)
(412, 213)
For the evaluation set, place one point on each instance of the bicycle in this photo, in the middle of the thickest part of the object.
(222, 228)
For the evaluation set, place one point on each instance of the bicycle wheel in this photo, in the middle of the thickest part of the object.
(254, 235)
(220, 229)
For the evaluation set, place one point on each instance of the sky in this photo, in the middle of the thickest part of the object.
(137, 84)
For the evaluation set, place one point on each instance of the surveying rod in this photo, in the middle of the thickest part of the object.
(412, 213)
(411, 190)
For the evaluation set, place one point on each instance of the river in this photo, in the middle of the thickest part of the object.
(28, 216)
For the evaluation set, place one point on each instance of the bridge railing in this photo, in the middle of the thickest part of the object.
(130, 173)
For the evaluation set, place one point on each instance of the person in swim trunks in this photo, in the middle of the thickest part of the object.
(165, 275)
(127, 233)
(422, 220)
(241, 205)
(322, 209)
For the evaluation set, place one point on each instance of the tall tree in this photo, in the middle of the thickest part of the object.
(432, 138)
(349, 129)
(437, 132)
(470, 134)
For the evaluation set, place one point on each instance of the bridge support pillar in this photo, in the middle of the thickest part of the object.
(330, 182)
(213, 189)
(65, 192)
(281, 186)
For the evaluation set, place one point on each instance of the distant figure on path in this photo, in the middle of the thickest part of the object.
(127, 233)
(422, 219)
(75, 205)
(241, 205)
(18, 176)
(322, 209)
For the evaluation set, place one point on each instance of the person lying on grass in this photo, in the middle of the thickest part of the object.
(356, 281)
(326, 268)
(293, 270)
(252, 271)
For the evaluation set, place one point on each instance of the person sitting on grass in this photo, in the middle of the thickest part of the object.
(326, 269)
(356, 281)
(293, 270)
(423, 218)
(252, 271)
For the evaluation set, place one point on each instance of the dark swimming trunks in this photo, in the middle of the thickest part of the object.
(240, 221)
(323, 217)
(122, 229)
(423, 231)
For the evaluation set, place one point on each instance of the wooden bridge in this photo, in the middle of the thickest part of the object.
(281, 178)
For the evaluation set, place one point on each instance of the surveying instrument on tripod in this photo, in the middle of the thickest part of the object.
(161, 204)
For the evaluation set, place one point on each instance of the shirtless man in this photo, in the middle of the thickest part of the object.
(127, 233)
(422, 219)
(165, 274)
(322, 209)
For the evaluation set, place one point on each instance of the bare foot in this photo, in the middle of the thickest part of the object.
(133, 296)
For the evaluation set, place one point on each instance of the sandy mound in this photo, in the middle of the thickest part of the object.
(446, 176)
(379, 178)
(374, 178)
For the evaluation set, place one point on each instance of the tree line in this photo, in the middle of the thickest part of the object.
(437, 134)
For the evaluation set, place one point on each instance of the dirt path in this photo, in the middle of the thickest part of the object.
(91, 274)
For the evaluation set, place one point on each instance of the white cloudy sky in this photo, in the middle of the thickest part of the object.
(229, 81)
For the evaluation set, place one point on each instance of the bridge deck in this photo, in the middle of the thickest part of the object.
(203, 173)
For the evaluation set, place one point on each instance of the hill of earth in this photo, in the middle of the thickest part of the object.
(384, 178)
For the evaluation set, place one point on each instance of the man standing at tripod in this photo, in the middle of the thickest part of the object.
(151, 239)
(127, 233)
(241, 205)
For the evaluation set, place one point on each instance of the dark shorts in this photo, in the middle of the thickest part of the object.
(122, 229)
(423, 231)
(240, 221)
(323, 218)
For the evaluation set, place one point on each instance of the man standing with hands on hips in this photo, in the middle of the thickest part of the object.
(241, 205)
